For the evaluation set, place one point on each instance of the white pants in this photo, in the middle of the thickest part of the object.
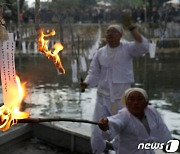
(103, 108)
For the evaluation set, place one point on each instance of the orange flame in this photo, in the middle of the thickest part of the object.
(52, 54)
(11, 112)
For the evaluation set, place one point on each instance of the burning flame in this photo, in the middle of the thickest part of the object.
(10, 112)
(52, 54)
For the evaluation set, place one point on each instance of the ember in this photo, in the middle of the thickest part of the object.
(51, 54)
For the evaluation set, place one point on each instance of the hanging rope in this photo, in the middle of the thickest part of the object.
(37, 15)
(164, 22)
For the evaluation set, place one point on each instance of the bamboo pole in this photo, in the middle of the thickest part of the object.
(37, 120)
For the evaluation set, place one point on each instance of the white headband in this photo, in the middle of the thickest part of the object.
(128, 91)
(117, 27)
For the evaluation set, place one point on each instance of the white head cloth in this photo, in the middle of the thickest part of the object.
(130, 90)
(117, 27)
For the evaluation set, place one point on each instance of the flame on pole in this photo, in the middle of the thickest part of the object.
(42, 41)
(51, 54)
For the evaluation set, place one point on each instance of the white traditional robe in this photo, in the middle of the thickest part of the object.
(131, 131)
(112, 71)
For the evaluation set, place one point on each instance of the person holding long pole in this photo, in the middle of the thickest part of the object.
(138, 125)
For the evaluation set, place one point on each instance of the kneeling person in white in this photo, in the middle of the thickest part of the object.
(136, 123)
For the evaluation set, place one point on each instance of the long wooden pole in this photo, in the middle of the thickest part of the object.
(37, 120)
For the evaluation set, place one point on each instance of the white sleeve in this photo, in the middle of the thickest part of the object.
(163, 132)
(117, 123)
(136, 49)
(94, 72)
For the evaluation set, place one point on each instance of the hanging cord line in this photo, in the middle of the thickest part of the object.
(2, 3)
(76, 55)
(37, 15)
(165, 23)
(77, 60)
(166, 20)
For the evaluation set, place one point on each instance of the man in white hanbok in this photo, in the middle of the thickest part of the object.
(136, 123)
(112, 71)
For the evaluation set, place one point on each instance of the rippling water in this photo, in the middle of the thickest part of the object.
(52, 95)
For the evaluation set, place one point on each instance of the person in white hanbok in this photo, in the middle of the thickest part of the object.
(136, 123)
(112, 71)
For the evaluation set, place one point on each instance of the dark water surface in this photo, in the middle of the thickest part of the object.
(53, 95)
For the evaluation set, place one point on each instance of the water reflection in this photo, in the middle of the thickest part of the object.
(53, 95)
(161, 78)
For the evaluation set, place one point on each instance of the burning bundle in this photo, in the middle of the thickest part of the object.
(51, 54)
(10, 116)
(9, 112)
